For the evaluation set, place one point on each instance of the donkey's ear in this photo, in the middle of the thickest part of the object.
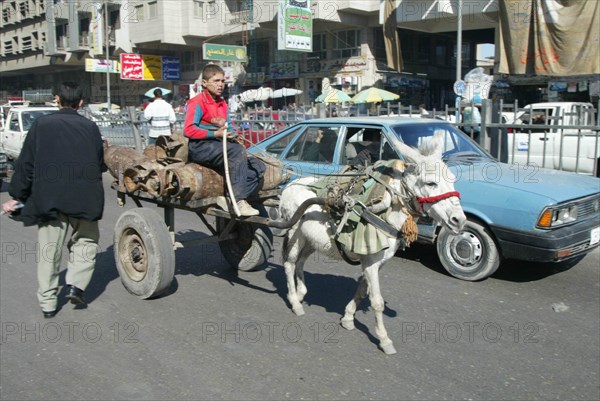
(437, 144)
(409, 153)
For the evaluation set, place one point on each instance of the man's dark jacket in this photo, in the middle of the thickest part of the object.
(60, 169)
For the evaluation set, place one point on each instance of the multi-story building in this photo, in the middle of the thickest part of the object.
(44, 42)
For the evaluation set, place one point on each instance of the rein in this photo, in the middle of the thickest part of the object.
(437, 198)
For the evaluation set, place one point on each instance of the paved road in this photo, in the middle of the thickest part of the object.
(528, 332)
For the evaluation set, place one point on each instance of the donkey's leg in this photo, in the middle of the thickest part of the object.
(361, 292)
(294, 254)
(301, 289)
(378, 305)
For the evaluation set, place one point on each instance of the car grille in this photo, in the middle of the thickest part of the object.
(588, 207)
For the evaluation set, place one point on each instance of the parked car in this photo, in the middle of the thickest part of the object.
(514, 212)
(558, 137)
(17, 124)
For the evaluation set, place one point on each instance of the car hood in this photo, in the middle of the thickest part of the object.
(513, 195)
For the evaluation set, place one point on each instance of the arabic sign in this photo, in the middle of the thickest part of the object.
(132, 66)
(171, 69)
(97, 65)
(294, 25)
(283, 70)
(150, 68)
(353, 64)
(215, 52)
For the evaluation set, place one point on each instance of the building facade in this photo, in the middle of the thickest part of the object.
(44, 42)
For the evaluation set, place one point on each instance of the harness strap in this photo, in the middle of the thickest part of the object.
(379, 223)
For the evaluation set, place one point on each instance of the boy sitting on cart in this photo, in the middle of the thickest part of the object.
(207, 123)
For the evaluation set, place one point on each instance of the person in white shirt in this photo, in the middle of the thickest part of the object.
(161, 116)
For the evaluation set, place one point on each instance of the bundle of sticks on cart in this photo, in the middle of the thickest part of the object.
(163, 170)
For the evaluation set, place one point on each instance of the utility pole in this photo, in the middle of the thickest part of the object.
(108, 64)
(458, 57)
(459, 42)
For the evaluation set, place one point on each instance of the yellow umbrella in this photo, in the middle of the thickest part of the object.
(373, 95)
(334, 96)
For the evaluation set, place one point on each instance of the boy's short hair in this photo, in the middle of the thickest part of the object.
(210, 70)
(70, 94)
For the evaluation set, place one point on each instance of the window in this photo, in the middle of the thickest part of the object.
(139, 12)
(187, 61)
(152, 9)
(316, 144)
(197, 9)
(6, 14)
(423, 49)
(319, 47)
(262, 53)
(26, 43)
(346, 44)
(8, 47)
(24, 9)
(363, 144)
(440, 53)
(379, 45)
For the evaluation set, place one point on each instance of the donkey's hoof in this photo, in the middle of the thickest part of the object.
(388, 349)
(298, 310)
(348, 324)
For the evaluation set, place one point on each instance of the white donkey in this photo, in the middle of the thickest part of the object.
(422, 185)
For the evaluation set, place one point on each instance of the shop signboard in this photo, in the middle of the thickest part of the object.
(149, 67)
(171, 69)
(132, 66)
(294, 25)
(152, 67)
(217, 52)
(99, 65)
(283, 70)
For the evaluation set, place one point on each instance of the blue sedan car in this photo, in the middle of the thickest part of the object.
(514, 211)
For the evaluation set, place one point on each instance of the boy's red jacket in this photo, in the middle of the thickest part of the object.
(201, 109)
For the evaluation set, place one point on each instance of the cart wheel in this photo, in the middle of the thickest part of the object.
(144, 252)
(251, 249)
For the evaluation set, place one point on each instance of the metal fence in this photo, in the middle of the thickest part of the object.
(498, 131)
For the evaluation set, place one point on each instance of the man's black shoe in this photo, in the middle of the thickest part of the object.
(49, 314)
(75, 295)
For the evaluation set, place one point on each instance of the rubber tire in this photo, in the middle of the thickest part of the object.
(252, 248)
(478, 243)
(143, 231)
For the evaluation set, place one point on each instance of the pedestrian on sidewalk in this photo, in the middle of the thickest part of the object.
(58, 177)
(161, 116)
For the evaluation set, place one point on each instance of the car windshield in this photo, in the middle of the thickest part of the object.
(456, 143)
(29, 117)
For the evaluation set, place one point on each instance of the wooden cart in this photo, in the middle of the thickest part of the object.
(144, 242)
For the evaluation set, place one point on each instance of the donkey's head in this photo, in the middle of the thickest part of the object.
(432, 183)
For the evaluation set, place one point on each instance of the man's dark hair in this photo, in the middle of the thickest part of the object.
(70, 95)
(157, 92)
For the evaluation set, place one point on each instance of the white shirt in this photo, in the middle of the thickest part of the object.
(161, 116)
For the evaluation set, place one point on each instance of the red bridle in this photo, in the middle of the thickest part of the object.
(437, 198)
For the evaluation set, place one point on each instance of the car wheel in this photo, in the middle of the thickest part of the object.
(471, 255)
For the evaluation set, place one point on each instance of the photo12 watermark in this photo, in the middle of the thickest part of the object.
(68, 332)
(269, 332)
(470, 332)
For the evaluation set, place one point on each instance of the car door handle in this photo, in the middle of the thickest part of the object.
(544, 139)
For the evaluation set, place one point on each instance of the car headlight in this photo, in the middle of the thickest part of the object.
(557, 216)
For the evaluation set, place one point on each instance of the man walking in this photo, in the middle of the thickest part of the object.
(58, 176)
(161, 116)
